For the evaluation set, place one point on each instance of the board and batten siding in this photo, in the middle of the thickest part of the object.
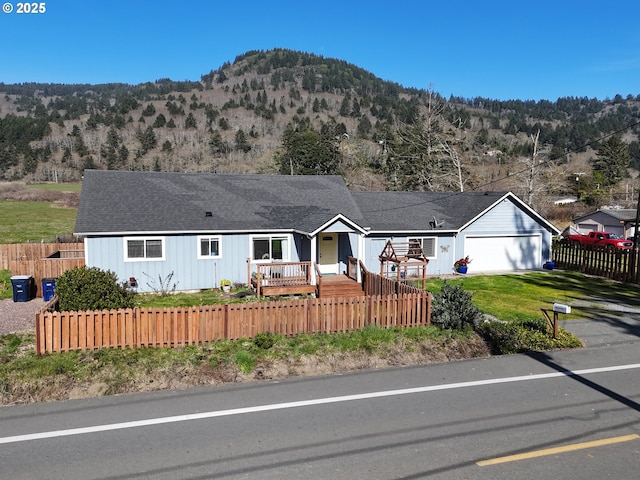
(181, 259)
(440, 264)
(520, 240)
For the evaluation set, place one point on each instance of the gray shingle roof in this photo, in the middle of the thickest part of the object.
(119, 202)
(123, 201)
(624, 214)
(403, 211)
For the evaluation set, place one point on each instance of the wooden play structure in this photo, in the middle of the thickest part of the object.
(403, 261)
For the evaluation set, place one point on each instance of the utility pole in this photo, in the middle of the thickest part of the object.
(633, 258)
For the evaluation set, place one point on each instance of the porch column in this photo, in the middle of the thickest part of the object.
(360, 257)
(314, 258)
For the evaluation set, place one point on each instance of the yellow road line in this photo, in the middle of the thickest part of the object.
(555, 450)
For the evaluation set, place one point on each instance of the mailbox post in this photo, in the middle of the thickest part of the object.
(557, 308)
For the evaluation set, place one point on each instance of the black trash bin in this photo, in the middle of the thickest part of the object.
(22, 288)
(48, 288)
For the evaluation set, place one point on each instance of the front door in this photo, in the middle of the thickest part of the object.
(328, 253)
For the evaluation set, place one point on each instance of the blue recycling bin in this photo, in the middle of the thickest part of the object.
(22, 288)
(48, 288)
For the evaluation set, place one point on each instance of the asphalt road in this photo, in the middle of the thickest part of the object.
(449, 421)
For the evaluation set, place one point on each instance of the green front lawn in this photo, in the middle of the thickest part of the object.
(521, 296)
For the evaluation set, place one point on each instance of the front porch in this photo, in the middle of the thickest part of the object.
(294, 278)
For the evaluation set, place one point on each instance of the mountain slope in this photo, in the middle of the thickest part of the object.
(233, 120)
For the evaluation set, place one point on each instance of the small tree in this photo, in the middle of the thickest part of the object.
(453, 308)
(89, 288)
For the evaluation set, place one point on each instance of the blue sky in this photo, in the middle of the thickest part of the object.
(500, 50)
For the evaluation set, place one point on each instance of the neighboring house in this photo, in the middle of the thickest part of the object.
(616, 220)
(201, 228)
(565, 200)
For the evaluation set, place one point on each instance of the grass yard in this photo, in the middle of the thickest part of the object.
(521, 296)
(204, 297)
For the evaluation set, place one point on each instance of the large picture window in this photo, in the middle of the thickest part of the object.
(270, 248)
(209, 247)
(140, 249)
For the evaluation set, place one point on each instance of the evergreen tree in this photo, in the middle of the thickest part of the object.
(345, 106)
(241, 141)
(147, 140)
(217, 145)
(160, 121)
(190, 121)
(364, 127)
(308, 152)
(123, 154)
(612, 161)
(149, 111)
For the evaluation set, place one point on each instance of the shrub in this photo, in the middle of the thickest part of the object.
(5, 284)
(89, 288)
(453, 308)
(163, 286)
(265, 340)
(506, 338)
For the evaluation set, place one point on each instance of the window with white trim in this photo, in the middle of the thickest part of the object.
(209, 246)
(143, 249)
(270, 248)
(428, 245)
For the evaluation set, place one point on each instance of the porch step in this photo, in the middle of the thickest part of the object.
(340, 286)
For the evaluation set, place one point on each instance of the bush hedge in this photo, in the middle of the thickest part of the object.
(90, 288)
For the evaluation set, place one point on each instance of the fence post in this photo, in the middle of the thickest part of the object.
(38, 335)
(226, 319)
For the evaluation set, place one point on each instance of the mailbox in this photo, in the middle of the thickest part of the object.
(560, 308)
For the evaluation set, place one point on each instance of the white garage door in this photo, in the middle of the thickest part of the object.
(504, 253)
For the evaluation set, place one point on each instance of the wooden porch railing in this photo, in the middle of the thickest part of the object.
(318, 280)
(352, 268)
(281, 278)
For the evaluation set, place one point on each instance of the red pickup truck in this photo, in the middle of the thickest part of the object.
(607, 240)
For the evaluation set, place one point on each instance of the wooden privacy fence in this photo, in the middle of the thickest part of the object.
(33, 251)
(172, 327)
(41, 260)
(617, 265)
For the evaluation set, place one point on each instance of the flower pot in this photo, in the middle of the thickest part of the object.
(226, 288)
(462, 269)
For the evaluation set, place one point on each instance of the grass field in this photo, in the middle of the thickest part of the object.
(57, 187)
(38, 212)
(27, 221)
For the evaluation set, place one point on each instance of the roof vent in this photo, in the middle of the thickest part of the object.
(208, 214)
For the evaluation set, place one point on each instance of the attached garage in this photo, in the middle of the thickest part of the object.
(504, 252)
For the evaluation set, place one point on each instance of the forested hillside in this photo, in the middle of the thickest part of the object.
(289, 112)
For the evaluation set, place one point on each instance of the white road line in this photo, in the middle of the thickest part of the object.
(303, 403)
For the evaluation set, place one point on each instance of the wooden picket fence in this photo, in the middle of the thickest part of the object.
(621, 265)
(174, 327)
